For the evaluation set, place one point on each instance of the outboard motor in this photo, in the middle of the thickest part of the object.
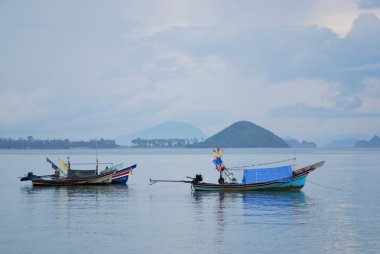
(197, 179)
(28, 177)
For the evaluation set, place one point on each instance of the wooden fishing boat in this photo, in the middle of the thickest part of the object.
(254, 179)
(295, 183)
(115, 175)
(65, 181)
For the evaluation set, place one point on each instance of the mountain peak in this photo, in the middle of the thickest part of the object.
(294, 143)
(244, 134)
(374, 142)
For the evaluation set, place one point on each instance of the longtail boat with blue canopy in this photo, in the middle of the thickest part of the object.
(255, 178)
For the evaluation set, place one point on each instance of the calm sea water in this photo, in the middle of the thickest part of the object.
(170, 218)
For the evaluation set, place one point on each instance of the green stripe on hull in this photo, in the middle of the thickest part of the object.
(296, 184)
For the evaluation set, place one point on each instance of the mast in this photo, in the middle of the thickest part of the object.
(97, 161)
(68, 162)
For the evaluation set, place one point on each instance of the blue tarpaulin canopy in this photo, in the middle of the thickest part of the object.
(263, 175)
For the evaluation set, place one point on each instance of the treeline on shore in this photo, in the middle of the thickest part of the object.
(169, 143)
(32, 143)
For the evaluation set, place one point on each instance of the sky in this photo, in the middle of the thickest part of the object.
(85, 69)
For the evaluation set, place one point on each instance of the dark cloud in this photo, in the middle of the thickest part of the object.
(368, 4)
(286, 53)
(304, 110)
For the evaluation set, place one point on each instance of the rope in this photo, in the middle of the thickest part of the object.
(261, 164)
(324, 186)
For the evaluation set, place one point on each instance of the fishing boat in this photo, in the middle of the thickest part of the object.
(52, 180)
(114, 174)
(295, 181)
(254, 179)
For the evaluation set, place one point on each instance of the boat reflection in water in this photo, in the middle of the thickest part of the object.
(255, 200)
(75, 196)
(76, 210)
(242, 217)
(77, 190)
(275, 207)
(236, 209)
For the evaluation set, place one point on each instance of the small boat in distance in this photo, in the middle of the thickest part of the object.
(68, 176)
(254, 179)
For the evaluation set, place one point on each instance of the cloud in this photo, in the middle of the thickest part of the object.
(20, 108)
(116, 68)
(337, 103)
(285, 52)
(368, 4)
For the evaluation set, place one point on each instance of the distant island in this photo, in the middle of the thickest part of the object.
(243, 134)
(343, 143)
(31, 143)
(164, 131)
(374, 142)
(294, 143)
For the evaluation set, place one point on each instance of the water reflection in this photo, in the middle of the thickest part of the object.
(66, 199)
(254, 200)
(76, 190)
(275, 207)
(274, 199)
(256, 207)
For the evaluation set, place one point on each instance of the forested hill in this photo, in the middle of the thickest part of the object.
(31, 143)
(243, 134)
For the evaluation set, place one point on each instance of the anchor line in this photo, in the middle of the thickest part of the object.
(324, 186)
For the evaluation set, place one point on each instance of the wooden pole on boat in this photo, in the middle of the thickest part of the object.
(153, 181)
(97, 161)
(68, 162)
(198, 178)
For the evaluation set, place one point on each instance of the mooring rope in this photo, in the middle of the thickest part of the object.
(324, 186)
(260, 164)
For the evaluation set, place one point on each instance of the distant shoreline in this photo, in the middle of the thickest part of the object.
(191, 148)
(32, 143)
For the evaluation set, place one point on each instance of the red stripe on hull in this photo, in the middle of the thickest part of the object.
(121, 174)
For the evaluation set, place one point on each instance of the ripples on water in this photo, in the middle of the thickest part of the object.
(170, 218)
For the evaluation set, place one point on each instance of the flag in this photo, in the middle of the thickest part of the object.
(218, 159)
(215, 155)
(63, 164)
(219, 152)
(52, 164)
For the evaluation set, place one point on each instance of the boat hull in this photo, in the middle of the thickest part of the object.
(120, 180)
(51, 181)
(296, 183)
(121, 176)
